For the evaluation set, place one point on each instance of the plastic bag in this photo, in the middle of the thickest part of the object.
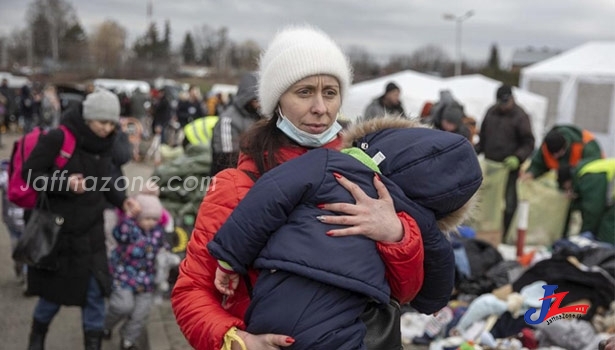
(489, 211)
(548, 211)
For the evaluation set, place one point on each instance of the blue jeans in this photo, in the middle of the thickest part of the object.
(92, 313)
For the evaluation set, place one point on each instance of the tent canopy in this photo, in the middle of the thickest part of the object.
(596, 58)
(580, 87)
(475, 92)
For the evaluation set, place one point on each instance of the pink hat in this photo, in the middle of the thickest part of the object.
(150, 206)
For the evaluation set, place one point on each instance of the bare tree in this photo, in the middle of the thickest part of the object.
(215, 47)
(223, 49)
(74, 44)
(108, 44)
(245, 55)
(364, 64)
(204, 42)
(18, 46)
(428, 59)
(49, 22)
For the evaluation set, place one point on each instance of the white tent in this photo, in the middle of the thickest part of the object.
(476, 93)
(580, 86)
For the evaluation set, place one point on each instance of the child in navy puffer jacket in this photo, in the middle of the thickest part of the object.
(431, 175)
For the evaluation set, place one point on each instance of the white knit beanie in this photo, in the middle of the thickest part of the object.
(296, 53)
(102, 105)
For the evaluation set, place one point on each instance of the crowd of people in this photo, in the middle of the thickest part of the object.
(294, 187)
(29, 106)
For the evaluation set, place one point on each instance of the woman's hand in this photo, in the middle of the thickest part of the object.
(374, 218)
(131, 207)
(76, 183)
(263, 341)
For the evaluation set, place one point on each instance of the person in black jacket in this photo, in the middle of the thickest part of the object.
(79, 194)
(26, 108)
(233, 123)
(121, 153)
(163, 112)
(506, 136)
(190, 106)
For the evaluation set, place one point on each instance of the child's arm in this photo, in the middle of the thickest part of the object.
(127, 232)
(226, 280)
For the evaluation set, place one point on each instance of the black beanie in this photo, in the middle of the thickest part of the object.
(390, 87)
(555, 141)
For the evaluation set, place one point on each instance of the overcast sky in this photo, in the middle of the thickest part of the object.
(383, 27)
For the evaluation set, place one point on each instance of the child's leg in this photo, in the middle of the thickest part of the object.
(138, 318)
(15, 235)
(121, 304)
(18, 267)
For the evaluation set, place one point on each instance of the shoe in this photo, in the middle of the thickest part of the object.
(18, 268)
(422, 340)
(126, 345)
(37, 335)
(107, 334)
(26, 293)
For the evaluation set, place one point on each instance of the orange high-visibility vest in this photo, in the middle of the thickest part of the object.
(576, 151)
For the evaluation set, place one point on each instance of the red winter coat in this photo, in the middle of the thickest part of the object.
(198, 307)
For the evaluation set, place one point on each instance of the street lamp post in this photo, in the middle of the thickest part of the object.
(458, 21)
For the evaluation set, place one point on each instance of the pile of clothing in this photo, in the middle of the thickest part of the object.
(493, 295)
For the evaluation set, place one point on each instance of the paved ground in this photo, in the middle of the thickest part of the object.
(65, 331)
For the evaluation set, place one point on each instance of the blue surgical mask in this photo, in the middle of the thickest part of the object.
(305, 138)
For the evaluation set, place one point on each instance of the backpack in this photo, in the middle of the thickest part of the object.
(19, 192)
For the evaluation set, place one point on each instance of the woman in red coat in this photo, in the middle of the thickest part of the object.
(303, 78)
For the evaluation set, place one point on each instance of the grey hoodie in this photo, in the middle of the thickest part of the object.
(235, 120)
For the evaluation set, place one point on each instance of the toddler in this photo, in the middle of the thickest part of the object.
(133, 267)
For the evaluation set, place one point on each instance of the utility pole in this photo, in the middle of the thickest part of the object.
(53, 34)
(458, 22)
(30, 51)
(150, 11)
(4, 53)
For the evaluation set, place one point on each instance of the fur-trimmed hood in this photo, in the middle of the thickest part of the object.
(434, 168)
